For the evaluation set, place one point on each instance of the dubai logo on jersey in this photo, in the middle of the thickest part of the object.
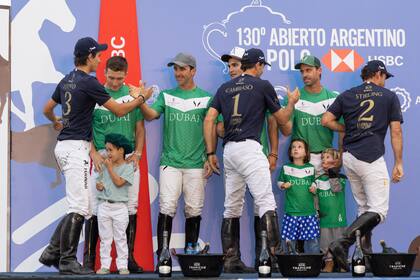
(404, 97)
(342, 60)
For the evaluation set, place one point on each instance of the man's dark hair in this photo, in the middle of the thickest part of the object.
(82, 60)
(366, 74)
(117, 63)
(246, 66)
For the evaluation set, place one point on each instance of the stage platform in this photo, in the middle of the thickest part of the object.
(175, 275)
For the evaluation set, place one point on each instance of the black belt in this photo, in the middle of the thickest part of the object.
(242, 140)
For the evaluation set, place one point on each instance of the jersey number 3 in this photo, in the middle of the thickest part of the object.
(67, 97)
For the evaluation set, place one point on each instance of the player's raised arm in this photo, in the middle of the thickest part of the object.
(140, 95)
(329, 120)
(283, 115)
(287, 128)
(273, 135)
(149, 113)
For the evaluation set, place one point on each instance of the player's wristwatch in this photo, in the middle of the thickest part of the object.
(210, 154)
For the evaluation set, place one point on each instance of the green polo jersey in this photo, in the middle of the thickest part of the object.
(332, 205)
(105, 122)
(184, 112)
(299, 201)
(307, 116)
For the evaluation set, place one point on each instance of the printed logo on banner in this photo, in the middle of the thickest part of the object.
(342, 60)
(155, 94)
(33, 151)
(232, 28)
(26, 68)
(281, 91)
(284, 44)
(404, 96)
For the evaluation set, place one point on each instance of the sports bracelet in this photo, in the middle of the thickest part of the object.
(211, 153)
(273, 155)
(142, 96)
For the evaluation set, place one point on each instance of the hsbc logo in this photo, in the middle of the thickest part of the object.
(342, 60)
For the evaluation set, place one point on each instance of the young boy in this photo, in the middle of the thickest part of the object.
(332, 202)
(112, 184)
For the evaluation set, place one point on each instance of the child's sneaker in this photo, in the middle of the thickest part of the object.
(102, 271)
(124, 271)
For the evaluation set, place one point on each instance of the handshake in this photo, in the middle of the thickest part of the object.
(141, 91)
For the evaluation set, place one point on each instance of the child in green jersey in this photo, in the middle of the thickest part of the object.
(297, 178)
(332, 202)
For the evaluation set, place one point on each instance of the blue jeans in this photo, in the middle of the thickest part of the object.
(310, 246)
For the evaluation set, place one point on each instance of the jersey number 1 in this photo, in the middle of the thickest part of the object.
(235, 106)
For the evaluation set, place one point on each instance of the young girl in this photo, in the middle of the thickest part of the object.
(298, 180)
(332, 202)
(112, 184)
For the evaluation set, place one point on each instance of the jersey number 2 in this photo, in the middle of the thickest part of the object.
(363, 116)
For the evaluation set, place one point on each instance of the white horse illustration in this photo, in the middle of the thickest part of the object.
(31, 57)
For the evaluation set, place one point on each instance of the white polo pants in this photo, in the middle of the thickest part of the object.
(174, 181)
(73, 159)
(369, 184)
(112, 224)
(246, 164)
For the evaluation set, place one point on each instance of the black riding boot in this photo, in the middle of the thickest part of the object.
(164, 224)
(270, 223)
(133, 267)
(230, 245)
(366, 243)
(70, 234)
(340, 248)
(51, 255)
(258, 241)
(192, 230)
(91, 238)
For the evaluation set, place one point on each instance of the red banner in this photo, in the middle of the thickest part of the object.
(118, 29)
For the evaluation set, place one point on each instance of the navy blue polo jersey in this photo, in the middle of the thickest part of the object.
(367, 110)
(78, 93)
(243, 103)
